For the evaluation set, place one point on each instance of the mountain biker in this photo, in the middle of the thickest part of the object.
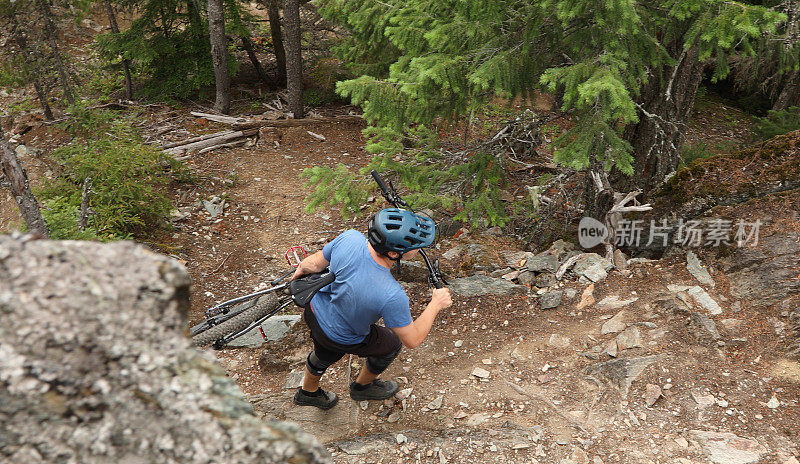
(342, 316)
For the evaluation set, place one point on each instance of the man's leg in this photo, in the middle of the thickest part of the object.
(311, 381)
(317, 362)
(365, 376)
(383, 346)
(375, 366)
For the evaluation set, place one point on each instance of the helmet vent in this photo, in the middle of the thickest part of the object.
(400, 230)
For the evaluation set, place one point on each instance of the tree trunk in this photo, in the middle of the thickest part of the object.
(274, 15)
(52, 37)
(41, 95)
(294, 57)
(18, 180)
(790, 93)
(247, 44)
(126, 63)
(665, 107)
(219, 55)
(30, 63)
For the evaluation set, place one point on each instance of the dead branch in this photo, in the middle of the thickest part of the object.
(296, 122)
(547, 402)
(196, 139)
(221, 264)
(614, 216)
(222, 145)
(228, 137)
(568, 264)
(218, 118)
(84, 218)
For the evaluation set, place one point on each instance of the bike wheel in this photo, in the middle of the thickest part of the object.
(263, 306)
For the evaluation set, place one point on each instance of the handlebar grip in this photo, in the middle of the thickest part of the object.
(380, 181)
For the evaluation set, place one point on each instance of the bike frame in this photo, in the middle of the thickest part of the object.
(435, 277)
(220, 308)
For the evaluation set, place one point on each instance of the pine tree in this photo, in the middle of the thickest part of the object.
(774, 70)
(169, 44)
(34, 29)
(628, 71)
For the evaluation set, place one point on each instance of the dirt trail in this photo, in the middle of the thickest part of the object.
(540, 403)
(551, 395)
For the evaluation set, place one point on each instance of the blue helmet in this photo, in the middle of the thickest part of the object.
(400, 230)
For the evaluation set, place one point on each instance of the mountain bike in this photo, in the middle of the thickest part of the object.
(233, 318)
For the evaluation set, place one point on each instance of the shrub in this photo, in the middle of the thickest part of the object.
(694, 152)
(62, 217)
(777, 123)
(129, 180)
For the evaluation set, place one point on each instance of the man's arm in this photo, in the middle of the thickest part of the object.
(310, 265)
(413, 334)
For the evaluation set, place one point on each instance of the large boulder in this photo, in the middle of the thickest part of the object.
(94, 366)
(767, 273)
(479, 285)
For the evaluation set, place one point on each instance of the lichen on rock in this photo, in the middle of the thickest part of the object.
(94, 366)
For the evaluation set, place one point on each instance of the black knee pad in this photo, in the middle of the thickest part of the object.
(378, 364)
(315, 365)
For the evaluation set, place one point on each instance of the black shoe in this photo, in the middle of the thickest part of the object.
(376, 390)
(324, 401)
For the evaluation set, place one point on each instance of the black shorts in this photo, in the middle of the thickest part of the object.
(380, 342)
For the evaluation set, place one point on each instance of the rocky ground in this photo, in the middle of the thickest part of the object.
(679, 360)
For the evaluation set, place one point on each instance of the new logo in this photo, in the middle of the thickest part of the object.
(591, 232)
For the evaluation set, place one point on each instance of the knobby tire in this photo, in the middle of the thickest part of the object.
(261, 308)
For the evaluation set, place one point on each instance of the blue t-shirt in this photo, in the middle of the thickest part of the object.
(363, 292)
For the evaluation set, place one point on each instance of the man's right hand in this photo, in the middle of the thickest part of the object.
(441, 298)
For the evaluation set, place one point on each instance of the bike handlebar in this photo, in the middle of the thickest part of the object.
(434, 275)
(380, 183)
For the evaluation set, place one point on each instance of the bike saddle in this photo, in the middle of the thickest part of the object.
(303, 288)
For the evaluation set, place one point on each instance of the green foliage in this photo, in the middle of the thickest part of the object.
(472, 187)
(427, 61)
(22, 106)
(694, 152)
(12, 72)
(320, 97)
(777, 123)
(128, 179)
(101, 81)
(337, 186)
(169, 46)
(62, 217)
(366, 50)
(702, 150)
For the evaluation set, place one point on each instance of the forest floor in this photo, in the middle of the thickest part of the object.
(538, 403)
(726, 398)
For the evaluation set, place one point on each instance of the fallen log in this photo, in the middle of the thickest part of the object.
(223, 145)
(218, 118)
(196, 139)
(296, 122)
(211, 142)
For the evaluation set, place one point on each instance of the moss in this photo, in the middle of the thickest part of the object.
(715, 189)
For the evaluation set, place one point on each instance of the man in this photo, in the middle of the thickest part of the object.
(342, 315)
